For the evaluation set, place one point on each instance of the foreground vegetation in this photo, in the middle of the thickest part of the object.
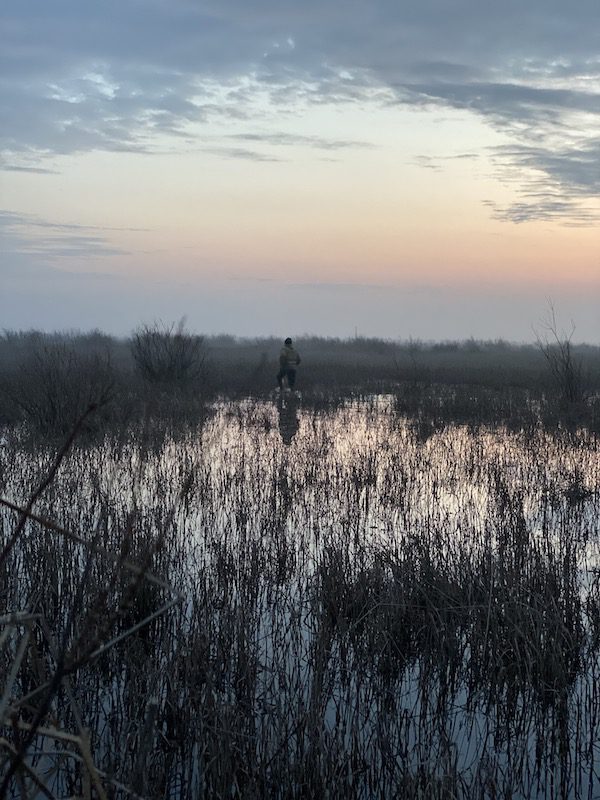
(356, 595)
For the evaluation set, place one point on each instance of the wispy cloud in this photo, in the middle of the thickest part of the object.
(24, 168)
(554, 160)
(559, 181)
(295, 140)
(243, 153)
(428, 162)
(27, 234)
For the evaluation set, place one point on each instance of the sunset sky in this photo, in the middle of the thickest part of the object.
(426, 169)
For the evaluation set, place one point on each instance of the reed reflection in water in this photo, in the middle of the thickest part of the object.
(370, 611)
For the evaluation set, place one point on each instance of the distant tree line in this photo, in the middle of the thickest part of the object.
(164, 371)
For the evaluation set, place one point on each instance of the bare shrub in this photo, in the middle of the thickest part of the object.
(556, 347)
(55, 383)
(168, 354)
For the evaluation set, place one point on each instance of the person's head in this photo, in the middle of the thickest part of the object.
(288, 342)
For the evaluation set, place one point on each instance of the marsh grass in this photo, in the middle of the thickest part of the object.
(166, 374)
(375, 610)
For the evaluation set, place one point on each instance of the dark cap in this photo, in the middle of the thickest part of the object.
(288, 340)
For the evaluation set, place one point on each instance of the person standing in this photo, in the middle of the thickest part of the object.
(288, 361)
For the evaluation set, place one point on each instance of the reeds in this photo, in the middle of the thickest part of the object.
(368, 612)
(167, 374)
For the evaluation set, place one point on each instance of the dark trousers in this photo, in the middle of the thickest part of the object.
(290, 374)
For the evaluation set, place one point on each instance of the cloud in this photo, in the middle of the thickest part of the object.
(121, 74)
(28, 235)
(295, 140)
(427, 162)
(23, 168)
(242, 153)
(555, 157)
(560, 182)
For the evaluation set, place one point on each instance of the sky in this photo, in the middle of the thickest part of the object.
(380, 167)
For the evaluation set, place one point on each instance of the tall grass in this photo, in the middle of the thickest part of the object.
(369, 611)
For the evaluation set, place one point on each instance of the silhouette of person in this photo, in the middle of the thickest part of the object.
(289, 359)
(288, 419)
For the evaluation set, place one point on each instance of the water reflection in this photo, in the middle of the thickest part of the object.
(381, 591)
(289, 422)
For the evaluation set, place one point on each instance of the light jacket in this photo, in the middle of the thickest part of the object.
(288, 357)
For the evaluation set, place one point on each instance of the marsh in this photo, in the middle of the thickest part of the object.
(372, 608)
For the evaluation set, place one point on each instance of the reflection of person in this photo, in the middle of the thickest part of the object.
(288, 420)
(288, 361)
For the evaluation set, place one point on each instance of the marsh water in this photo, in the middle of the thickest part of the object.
(371, 606)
